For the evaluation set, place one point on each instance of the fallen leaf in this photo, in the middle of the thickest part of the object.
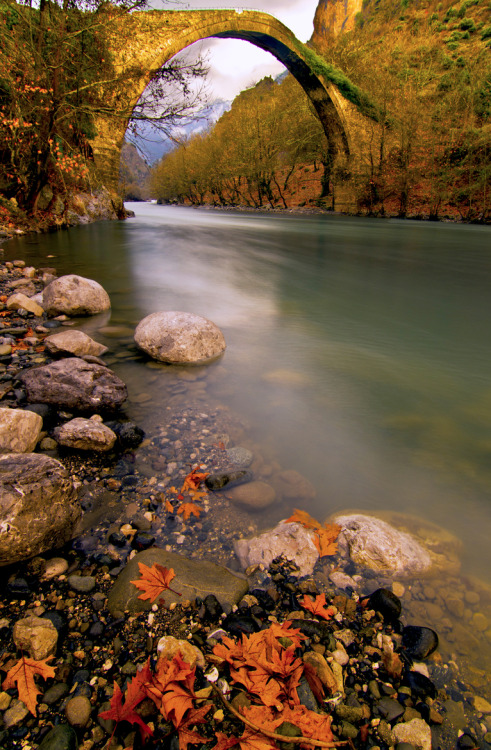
(22, 675)
(302, 517)
(325, 537)
(134, 694)
(318, 606)
(188, 509)
(186, 735)
(154, 581)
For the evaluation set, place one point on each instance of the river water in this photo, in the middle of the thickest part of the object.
(358, 351)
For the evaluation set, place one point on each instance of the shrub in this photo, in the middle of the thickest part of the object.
(486, 33)
(467, 24)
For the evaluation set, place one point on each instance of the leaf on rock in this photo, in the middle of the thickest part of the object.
(154, 580)
(22, 675)
(325, 537)
(302, 517)
(318, 606)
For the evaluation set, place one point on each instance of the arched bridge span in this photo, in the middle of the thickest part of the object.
(141, 42)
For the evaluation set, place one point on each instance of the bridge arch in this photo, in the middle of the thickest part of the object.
(154, 37)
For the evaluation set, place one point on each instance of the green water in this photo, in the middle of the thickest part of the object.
(358, 351)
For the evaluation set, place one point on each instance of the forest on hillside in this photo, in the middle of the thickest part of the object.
(425, 65)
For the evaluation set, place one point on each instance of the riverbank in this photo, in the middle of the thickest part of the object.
(125, 510)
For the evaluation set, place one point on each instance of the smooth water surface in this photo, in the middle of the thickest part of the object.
(358, 351)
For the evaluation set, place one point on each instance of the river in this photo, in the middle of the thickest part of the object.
(358, 351)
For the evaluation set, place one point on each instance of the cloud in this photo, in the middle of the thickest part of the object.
(234, 64)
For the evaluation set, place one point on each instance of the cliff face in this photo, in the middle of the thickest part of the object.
(332, 17)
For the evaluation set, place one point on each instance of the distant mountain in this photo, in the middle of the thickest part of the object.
(133, 174)
(153, 145)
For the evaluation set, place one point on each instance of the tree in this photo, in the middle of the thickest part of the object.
(54, 69)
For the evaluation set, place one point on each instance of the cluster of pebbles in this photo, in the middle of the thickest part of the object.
(124, 495)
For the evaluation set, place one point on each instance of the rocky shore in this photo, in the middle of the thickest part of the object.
(388, 657)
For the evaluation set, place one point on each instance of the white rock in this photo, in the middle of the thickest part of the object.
(75, 295)
(19, 430)
(74, 342)
(375, 544)
(292, 540)
(18, 300)
(179, 337)
(415, 732)
(85, 435)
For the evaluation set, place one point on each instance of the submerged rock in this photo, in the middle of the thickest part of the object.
(375, 544)
(227, 479)
(179, 337)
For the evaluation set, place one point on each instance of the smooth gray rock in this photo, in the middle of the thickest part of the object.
(290, 539)
(81, 584)
(38, 508)
(75, 295)
(377, 545)
(77, 711)
(415, 732)
(74, 342)
(193, 578)
(19, 430)
(74, 384)
(179, 337)
(85, 434)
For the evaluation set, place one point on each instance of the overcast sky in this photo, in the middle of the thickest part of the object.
(235, 65)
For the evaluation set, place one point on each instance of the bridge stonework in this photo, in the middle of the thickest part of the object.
(141, 42)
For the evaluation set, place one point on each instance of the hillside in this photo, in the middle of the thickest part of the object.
(133, 174)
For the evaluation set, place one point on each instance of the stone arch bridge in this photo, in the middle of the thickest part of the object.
(141, 42)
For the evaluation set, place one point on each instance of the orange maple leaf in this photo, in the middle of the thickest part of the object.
(318, 606)
(312, 724)
(188, 509)
(325, 539)
(224, 742)
(154, 581)
(302, 517)
(186, 735)
(169, 507)
(22, 675)
(193, 480)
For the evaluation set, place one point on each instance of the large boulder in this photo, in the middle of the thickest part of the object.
(85, 435)
(193, 578)
(74, 384)
(38, 508)
(292, 540)
(73, 342)
(75, 295)
(377, 545)
(179, 338)
(19, 430)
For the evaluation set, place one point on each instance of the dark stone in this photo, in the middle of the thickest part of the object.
(81, 675)
(129, 434)
(465, 742)
(390, 709)
(55, 693)
(419, 642)
(312, 628)
(306, 696)
(62, 737)
(404, 746)
(213, 608)
(227, 479)
(265, 600)
(142, 540)
(118, 539)
(102, 558)
(386, 603)
(18, 586)
(237, 623)
(420, 685)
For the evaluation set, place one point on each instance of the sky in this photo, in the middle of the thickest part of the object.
(234, 64)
